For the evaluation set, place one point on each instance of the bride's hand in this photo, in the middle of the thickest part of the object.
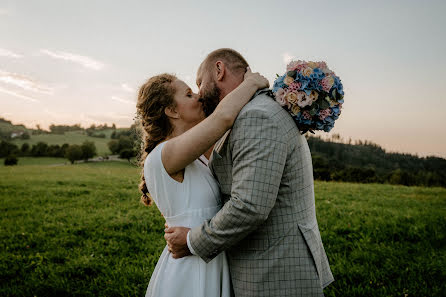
(256, 79)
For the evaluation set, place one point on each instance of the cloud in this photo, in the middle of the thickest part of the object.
(8, 53)
(287, 58)
(4, 11)
(128, 88)
(24, 82)
(122, 100)
(85, 61)
(21, 96)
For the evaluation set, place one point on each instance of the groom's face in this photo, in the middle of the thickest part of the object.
(208, 91)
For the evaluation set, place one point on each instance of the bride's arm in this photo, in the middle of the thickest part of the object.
(182, 150)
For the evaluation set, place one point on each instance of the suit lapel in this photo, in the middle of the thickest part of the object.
(216, 151)
(221, 141)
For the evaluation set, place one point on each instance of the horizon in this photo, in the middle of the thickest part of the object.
(72, 62)
(324, 136)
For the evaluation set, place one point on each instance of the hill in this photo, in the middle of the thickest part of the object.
(59, 135)
(10, 131)
(368, 162)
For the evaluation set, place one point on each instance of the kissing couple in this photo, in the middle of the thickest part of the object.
(233, 177)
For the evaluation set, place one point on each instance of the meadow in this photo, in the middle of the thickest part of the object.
(80, 230)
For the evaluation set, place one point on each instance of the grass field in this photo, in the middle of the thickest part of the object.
(74, 137)
(79, 230)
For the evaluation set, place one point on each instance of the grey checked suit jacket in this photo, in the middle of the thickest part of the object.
(267, 224)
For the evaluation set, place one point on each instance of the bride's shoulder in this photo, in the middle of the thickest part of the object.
(155, 155)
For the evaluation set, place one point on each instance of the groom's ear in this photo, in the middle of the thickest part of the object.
(220, 70)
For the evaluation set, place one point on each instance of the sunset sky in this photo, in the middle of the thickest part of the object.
(67, 62)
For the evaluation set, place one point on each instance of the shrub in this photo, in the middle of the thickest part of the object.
(11, 160)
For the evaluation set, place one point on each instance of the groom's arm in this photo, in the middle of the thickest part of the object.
(258, 158)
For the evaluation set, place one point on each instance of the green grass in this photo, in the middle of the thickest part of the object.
(74, 137)
(79, 230)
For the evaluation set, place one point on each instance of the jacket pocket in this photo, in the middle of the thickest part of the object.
(313, 240)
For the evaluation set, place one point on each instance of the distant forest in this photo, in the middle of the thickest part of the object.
(333, 159)
(367, 162)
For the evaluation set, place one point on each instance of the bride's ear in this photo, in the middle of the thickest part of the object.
(171, 112)
(220, 70)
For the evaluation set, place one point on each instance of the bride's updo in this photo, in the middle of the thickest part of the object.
(153, 97)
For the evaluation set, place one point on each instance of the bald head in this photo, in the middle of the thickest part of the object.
(232, 59)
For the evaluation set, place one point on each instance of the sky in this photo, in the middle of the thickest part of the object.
(68, 62)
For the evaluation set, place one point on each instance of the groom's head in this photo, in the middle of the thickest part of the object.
(220, 73)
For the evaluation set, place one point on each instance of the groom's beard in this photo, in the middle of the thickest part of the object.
(210, 100)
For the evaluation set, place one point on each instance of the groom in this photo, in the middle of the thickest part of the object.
(267, 224)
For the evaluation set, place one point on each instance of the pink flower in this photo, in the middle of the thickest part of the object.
(326, 83)
(292, 66)
(303, 100)
(306, 115)
(301, 67)
(294, 86)
(295, 65)
(324, 113)
(322, 65)
(280, 97)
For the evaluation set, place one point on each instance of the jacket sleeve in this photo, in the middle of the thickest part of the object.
(258, 158)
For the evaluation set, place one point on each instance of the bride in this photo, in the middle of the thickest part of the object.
(178, 141)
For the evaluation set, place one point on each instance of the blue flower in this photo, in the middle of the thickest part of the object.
(278, 83)
(335, 109)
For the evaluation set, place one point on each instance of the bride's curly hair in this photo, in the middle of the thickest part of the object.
(154, 96)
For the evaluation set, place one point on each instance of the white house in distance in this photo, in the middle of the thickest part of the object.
(16, 134)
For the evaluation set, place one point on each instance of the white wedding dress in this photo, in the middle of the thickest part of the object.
(186, 204)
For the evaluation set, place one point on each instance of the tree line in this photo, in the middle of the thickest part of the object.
(122, 143)
(367, 162)
(73, 152)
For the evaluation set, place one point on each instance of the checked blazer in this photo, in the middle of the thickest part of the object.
(267, 224)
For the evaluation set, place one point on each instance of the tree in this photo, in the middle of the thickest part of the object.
(11, 160)
(88, 150)
(113, 145)
(7, 148)
(63, 149)
(125, 142)
(73, 153)
(25, 135)
(54, 150)
(25, 148)
(40, 149)
(127, 154)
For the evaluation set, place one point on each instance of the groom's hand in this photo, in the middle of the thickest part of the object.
(176, 238)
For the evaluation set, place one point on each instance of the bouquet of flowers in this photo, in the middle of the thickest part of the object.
(311, 93)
